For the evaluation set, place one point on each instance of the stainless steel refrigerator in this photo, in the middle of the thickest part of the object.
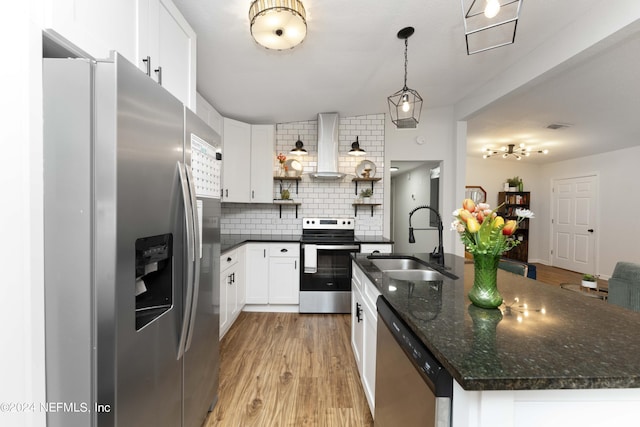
(132, 249)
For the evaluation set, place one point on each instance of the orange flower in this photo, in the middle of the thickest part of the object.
(468, 205)
(510, 227)
(281, 158)
(465, 215)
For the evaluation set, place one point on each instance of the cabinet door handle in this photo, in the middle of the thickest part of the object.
(226, 193)
(284, 250)
(264, 253)
(590, 230)
(229, 259)
(253, 195)
(159, 73)
(375, 252)
(358, 312)
(233, 278)
(147, 62)
(295, 264)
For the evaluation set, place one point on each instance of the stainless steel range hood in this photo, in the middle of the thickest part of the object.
(328, 144)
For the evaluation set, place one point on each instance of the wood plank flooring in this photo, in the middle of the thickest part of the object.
(289, 369)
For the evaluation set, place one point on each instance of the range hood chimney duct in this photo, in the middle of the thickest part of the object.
(328, 144)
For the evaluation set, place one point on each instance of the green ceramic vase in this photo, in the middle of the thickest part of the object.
(484, 292)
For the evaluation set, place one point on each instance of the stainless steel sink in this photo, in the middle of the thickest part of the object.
(385, 264)
(415, 275)
(406, 269)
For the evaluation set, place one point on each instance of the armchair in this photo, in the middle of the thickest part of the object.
(624, 286)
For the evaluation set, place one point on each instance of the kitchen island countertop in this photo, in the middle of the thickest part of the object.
(542, 337)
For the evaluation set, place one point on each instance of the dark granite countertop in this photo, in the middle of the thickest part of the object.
(232, 241)
(542, 337)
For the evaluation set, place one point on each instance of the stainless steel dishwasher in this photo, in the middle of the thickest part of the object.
(412, 388)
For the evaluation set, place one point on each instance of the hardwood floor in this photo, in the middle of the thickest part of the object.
(557, 276)
(289, 369)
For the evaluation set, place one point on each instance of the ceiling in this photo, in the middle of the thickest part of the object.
(352, 60)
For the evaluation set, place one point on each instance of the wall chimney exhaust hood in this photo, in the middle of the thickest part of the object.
(328, 144)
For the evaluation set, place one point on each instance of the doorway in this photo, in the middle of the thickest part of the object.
(413, 184)
(574, 223)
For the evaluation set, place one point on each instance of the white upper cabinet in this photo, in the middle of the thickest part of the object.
(247, 162)
(262, 144)
(236, 160)
(137, 30)
(166, 48)
(210, 115)
(96, 27)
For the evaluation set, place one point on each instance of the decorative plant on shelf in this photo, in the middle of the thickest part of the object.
(589, 281)
(367, 192)
(487, 236)
(515, 182)
(284, 192)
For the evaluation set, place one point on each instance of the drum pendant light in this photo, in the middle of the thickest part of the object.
(278, 24)
(405, 105)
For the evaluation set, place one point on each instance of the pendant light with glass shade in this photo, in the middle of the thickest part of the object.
(405, 105)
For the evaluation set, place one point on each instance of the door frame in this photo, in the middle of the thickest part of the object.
(596, 237)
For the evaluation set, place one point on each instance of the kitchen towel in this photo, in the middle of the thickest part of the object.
(310, 258)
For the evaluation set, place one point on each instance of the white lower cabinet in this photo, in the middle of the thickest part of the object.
(273, 273)
(257, 273)
(232, 288)
(364, 321)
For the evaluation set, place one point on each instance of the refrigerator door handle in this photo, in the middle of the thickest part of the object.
(196, 244)
(188, 217)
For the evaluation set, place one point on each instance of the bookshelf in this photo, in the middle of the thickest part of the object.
(510, 201)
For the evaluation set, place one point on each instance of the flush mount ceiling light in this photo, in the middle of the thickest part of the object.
(299, 149)
(278, 24)
(356, 150)
(405, 105)
(489, 24)
(511, 150)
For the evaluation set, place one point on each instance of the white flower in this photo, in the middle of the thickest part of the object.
(456, 212)
(458, 226)
(524, 213)
(484, 206)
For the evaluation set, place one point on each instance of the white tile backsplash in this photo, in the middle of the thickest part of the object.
(318, 198)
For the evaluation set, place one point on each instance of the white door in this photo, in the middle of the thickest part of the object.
(574, 223)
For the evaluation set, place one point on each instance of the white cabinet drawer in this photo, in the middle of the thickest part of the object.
(284, 250)
(228, 259)
(369, 248)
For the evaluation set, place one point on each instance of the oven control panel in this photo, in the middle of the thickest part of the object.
(328, 223)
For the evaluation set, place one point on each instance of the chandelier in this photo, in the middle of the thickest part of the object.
(511, 150)
(278, 24)
(406, 104)
(489, 24)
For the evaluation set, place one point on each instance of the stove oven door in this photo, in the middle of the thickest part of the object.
(332, 267)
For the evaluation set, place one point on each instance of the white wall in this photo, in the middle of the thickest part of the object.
(438, 128)
(490, 174)
(617, 232)
(21, 258)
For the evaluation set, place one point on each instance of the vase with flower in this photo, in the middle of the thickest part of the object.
(282, 171)
(486, 235)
